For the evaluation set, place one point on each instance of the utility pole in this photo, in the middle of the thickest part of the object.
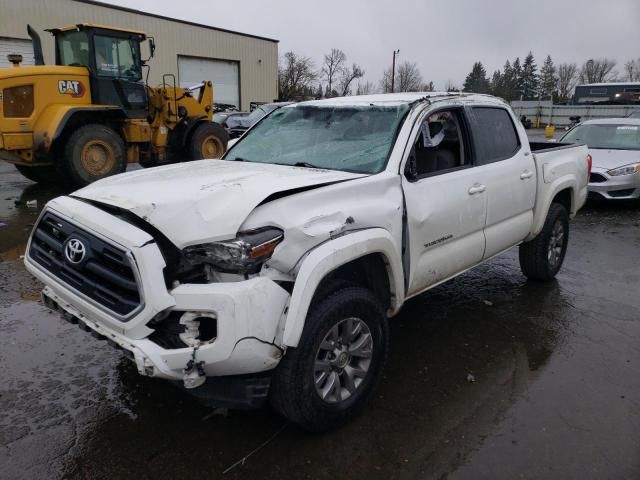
(393, 70)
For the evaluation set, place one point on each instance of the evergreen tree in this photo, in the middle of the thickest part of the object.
(529, 77)
(476, 81)
(495, 85)
(508, 82)
(548, 79)
(318, 94)
(516, 84)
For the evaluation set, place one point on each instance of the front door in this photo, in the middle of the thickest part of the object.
(445, 201)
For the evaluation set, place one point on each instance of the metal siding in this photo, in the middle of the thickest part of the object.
(15, 45)
(258, 80)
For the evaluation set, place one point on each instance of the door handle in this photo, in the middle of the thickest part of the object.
(526, 174)
(477, 188)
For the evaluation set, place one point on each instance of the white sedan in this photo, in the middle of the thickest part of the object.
(614, 146)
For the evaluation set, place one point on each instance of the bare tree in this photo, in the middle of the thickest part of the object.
(409, 78)
(429, 87)
(332, 65)
(347, 76)
(295, 76)
(597, 70)
(632, 70)
(364, 88)
(385, 81)
(567, 78)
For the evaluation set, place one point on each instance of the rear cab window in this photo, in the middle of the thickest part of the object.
(495, 137)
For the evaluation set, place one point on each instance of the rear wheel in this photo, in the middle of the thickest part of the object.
(328, 378)
(93, 152)
(209, 140)
(542, 257)
(44, 175)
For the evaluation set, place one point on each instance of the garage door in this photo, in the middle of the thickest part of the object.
(225, 76)
(15, 45)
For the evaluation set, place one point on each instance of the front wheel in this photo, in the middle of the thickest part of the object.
(542, 257)
(209, 140)
(328, 378)
(93, 152)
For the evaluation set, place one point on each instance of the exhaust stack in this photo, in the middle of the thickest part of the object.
(37, 46)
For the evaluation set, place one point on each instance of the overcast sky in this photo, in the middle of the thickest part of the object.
(443, 37)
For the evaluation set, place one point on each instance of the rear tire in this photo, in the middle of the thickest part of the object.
(45, 175)
(209, 140)
(93, 152)
(542, 257)
(329, 377)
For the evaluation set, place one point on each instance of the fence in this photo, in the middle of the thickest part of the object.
(559, 114)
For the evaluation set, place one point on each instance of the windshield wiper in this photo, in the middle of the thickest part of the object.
(306, 164)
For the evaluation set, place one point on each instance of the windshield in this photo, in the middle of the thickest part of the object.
(350, 138)
(616, 137)
(73, 48)
(117, 57)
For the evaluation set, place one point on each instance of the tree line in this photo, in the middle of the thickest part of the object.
(523, 80)
(299, 79)
(336, 77)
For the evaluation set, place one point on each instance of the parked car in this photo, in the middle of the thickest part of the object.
(223, 117)
(224, 107)
(270, 274)
(237, 126)
(614, 145)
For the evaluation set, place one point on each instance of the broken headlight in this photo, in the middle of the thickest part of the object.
(244, 254)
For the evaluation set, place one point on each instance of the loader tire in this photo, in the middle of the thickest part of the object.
(44, 175)
(542, 257)
(93, 152)
(209, 140)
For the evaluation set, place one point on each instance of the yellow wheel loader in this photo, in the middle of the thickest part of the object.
(90, 114)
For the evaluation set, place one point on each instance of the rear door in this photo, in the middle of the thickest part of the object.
(506, 168)
(445, 202)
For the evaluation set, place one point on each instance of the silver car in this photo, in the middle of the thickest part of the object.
(614, 146)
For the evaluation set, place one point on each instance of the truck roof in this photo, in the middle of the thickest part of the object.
(404, 98)
(83, 26)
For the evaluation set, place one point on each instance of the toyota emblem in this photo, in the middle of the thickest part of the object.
(75, 251)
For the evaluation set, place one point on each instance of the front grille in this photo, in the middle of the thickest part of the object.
(597, 178)
(103, 273)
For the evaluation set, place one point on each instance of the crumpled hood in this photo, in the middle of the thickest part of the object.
(607, 159)
(203, 201)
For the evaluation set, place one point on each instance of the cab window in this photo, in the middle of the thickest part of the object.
(117, 57)
(73, 49)
(440, 145)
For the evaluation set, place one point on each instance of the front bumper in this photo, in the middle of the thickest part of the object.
(247, 313)
(619, 187)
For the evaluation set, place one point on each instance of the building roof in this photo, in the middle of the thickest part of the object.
(162, 17)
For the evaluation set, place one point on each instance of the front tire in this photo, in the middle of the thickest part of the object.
(542, 257)
(209, 140)
(328, 378)
(93, 152)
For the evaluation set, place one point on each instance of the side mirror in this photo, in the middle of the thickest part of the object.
(152, 47)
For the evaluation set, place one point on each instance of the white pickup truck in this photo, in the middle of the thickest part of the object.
(272, 273)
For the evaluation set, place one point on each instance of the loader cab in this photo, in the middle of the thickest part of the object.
(114, 62)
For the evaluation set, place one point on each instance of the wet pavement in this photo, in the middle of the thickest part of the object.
(555, 390)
